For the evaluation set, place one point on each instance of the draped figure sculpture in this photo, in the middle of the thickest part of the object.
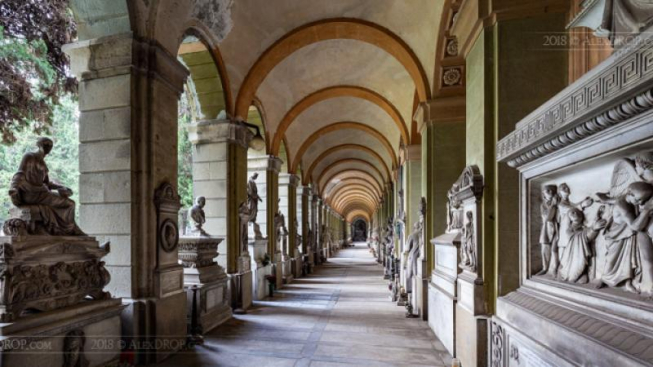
(252, 202)
(48, 204)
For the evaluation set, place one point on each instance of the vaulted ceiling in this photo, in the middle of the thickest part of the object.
(338, 81)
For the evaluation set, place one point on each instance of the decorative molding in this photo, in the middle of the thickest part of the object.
(498, 341)
(612, 93)
(217, 131)
(167, 204)
(611, 335)
(452, 76)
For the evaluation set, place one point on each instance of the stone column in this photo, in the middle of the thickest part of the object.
(129, 89)
(288, 206)
(307, 223)
(272, 189)
(213, 143)
(294, 216)
(220, 175)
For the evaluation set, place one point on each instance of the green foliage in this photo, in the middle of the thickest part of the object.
(184, 155)
(62, 161)
(33, 68)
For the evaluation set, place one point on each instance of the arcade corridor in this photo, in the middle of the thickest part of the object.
(338, 316)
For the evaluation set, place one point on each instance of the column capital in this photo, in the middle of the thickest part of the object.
(274, 164)
(218, 131)
(440, 110)
(307, 191)
(410, 153)
(295, 180)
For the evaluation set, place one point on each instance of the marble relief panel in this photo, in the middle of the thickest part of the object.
(590, 225)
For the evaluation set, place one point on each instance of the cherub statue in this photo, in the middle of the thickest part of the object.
(31, 189)
(196, 214)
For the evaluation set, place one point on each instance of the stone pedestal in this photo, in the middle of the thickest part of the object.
(241, 284)
(258, 249)
(52, 299)
(197, 256)
(278, 269)
(442, 289)
(287, 269)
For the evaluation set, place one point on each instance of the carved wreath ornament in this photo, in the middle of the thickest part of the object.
(169, 235)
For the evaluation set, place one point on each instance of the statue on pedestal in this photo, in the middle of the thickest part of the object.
(252, 201)
(44, 206)
(280, 228)
(196, 214)
(243, 216)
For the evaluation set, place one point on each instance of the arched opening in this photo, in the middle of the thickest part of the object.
(359, 230)
(203, 99)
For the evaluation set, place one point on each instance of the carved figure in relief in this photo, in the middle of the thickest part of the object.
(564, 206)
(549, 231)
(629, 229)
(196, 214)
(628, 259)
(32, 190)
(577, 255)
(73, 349)
(468, 251)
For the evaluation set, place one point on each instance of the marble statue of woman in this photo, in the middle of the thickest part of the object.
(32, 188)
(576, 255)
(549, 232)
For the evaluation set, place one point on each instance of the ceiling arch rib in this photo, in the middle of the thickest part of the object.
(353, 195)
(342, 126)
(351, 156)
(357, 207)
(356, 161)
(328, 29)
(333, 92)
(340, 148)
(352, 181)
(348, 172)
(351, 187)
(355, 214)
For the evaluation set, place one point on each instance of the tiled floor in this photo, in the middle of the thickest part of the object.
(339, 316)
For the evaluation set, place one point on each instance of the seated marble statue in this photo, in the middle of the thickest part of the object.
(196, 214)
(48, 204)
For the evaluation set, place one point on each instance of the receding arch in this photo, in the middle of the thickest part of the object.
(349, 160)
(339, 148)
(358, 205)
(334, 92)
(345, 170)
(353, 180)
(351, 186)
(328, 29)
(341, 126)
(344, 197)
(356, 214)
(204, 39)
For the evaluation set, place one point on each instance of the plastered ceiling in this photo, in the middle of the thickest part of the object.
(338, 81)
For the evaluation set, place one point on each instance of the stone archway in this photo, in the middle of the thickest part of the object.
(359, 230)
